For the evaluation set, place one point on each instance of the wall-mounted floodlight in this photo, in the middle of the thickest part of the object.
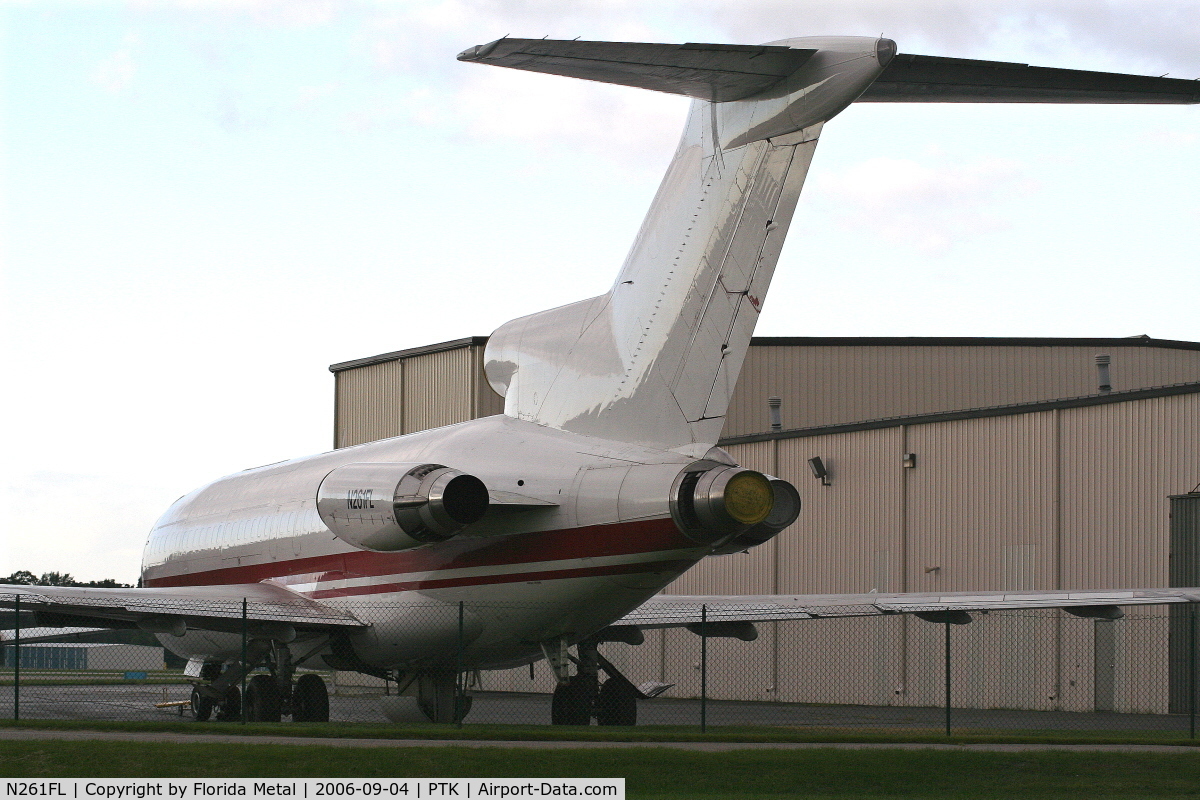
(819, 470)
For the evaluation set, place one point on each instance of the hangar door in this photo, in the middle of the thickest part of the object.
(1185, 620)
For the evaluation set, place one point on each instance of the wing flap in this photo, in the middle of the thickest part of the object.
(716, 72)
(933, 79)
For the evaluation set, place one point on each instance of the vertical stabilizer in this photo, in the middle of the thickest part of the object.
(654, 361)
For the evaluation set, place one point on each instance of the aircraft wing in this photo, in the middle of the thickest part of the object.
(933, 79)
(730, 611)
(269, 609)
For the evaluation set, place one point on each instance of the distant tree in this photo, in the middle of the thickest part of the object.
(24, 577)
(107, 583)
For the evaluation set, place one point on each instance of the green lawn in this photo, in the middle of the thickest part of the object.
(650, 772)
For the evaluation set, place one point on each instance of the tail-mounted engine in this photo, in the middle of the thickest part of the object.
(784, 511)
(387, 507)
(717, 503)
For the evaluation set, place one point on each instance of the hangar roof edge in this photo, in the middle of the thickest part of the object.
(424, 350)
(831, 341)
(970, 413)
(974, 341)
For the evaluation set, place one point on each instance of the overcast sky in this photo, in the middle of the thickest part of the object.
(207, 203)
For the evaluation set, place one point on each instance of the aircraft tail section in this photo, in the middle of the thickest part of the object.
(655, 359)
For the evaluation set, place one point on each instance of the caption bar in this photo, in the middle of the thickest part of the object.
(305, 788)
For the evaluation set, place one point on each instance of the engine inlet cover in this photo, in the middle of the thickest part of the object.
(711, 501)
(388, 507)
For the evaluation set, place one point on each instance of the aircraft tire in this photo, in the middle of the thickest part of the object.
(230, 708)
(262, 699)
(616, 704)
(310, 699)
(202, 707)
(571, 703)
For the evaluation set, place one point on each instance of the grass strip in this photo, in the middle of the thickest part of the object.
(650, 773)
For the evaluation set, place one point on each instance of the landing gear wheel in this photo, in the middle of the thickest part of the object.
(572, 702)
(230, 709)
(310, 699)
(262, 699)
(202, 706)
(617, 703)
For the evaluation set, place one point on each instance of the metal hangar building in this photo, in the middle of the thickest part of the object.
(950, 464)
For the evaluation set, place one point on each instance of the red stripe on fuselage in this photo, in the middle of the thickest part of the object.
(518, 577)
(625, 538)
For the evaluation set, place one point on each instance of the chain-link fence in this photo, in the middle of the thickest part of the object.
(1012, 671)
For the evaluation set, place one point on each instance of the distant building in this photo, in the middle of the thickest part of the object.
(92, 657)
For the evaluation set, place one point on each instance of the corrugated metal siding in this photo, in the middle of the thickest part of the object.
(1119, 464)
(985, 504)
(437, 389)
(487, 402)
(848, 537)
(826, 384)
(412, 394)
(368, 403)
(981, 504)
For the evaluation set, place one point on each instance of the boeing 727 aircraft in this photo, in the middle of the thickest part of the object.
(554, 523)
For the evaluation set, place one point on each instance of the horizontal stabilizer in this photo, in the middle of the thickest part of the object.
(716, 72)
(933, 79)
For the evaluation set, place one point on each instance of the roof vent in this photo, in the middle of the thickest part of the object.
(1102, 363)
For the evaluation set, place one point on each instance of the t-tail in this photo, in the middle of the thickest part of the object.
(654, 360)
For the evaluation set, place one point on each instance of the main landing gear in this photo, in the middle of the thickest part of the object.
(269, 696)
(581, 696)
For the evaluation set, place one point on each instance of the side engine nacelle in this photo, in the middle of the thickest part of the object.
(388, 507)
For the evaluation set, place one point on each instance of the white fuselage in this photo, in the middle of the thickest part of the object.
(524, 577)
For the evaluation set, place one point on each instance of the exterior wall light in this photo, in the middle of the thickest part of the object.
(819, 470)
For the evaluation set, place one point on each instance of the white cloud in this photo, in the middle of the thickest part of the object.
(623, 125)
(115, 73)
(919, 205)
(1169, 137)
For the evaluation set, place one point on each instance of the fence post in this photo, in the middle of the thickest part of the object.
(245, 666)
(459, 688)
(17, 661)
(1192, 671)
(704, 669)
(947, 623)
